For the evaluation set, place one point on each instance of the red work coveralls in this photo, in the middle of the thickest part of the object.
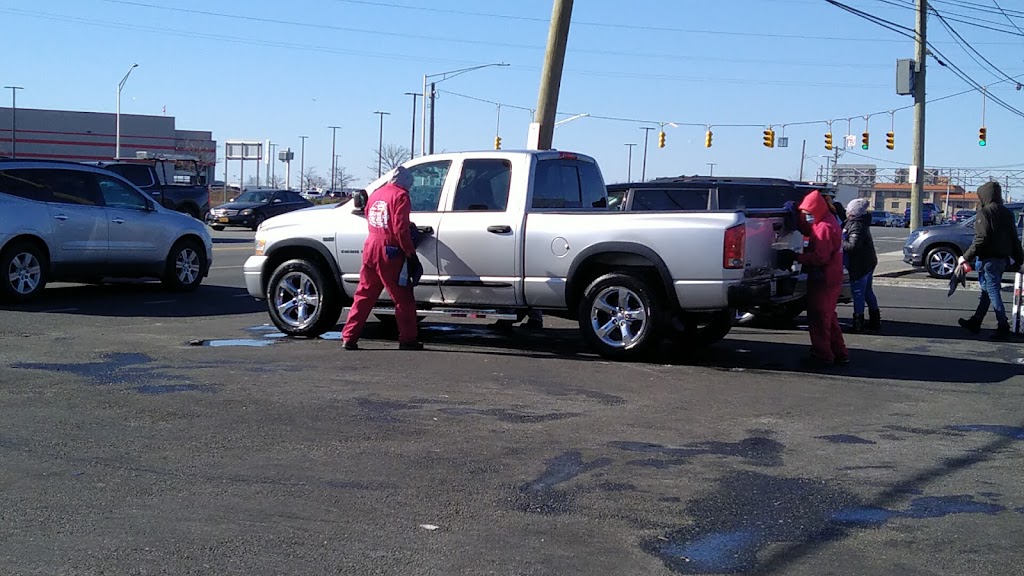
(824, 260)
(387, 218)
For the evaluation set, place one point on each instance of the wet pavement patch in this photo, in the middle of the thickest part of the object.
(119, 368)
(505, 415)
(921, 431)
(1011, 432)
(155, 389)
(731, 529)
(233, 342)
(756, 450)
(542, 495)
(845, 439)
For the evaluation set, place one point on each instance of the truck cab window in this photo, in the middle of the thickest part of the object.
(592, 188)
(556, 185)
(135, 173)
(483, 186)
(427, 183)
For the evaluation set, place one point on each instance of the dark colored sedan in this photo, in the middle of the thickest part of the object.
(252, 207)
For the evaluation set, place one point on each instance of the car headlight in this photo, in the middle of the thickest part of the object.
(246, 212)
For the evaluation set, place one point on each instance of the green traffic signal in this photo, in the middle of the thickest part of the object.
(864, 146)
(981, 143)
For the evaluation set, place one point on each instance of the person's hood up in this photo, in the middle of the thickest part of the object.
(990, 193)
(857, 208)
(816, 205)
(401, 177)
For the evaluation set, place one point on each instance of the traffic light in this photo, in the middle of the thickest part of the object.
(982, 136)
(828, 141)
(769, 138)
(661, 139)
(707, 139)
(890, 140)
(864, 141)
(497, 142)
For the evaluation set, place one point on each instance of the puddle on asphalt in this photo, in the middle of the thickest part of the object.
(1012, 432)
(845, 439)
(244, 342)
(755, 450)
(121, 368)
(157, 389)
(541, 496)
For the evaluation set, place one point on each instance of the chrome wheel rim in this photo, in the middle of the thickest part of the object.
(24, 273)
(186, 266)
(296, 299)
(618, 317)
(942, 263)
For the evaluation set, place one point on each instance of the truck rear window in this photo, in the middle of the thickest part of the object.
(134, 173)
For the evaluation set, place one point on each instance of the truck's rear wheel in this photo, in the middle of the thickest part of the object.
(301, 300)
(619, 315)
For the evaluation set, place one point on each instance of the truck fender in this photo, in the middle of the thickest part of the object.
(305, 243)
(639, 254)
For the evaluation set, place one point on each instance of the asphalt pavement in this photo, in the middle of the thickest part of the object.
(145, 432)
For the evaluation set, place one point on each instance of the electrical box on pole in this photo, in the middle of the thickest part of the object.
(905, 76)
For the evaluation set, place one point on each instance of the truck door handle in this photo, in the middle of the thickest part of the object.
(425, 229)
(118, 220)
(60, 217)
(499, 229)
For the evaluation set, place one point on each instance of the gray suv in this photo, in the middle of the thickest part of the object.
(936, 248)
(68, 222)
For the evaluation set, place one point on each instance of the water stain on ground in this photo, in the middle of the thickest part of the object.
(506, 415)
(758, 451)
(383, 410)
(920, 431)
(845, 439)
(119, 368)
(156, 389)
(1012, 432)
(730, 529)
(233, 342)
(542, 496)
(602, 397)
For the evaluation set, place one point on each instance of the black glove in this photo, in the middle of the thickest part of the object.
(415, 269)
(784, 259)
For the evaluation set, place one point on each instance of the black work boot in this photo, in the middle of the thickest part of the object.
(972, 325)
(1002, 332)
(858, 324)
(874, 319)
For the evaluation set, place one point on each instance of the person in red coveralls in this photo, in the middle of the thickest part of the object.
(823, 261)
(388, 246)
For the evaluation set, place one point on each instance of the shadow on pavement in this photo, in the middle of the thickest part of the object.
(141, 299)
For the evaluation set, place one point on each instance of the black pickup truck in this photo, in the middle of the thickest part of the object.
(156, 178)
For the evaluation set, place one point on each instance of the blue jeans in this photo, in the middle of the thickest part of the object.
(863, 291)
(990, 277)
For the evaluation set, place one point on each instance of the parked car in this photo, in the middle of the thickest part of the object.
(880, 218)
(68, 222)
(962, 215)
(506, 232)
(252, 207)
(937, 248)
(156, 178)
(701, 193)
(930, 215)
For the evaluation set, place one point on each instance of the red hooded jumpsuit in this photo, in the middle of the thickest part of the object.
(387, 218)
(824, 260)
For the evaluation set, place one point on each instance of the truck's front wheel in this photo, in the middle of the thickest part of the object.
(302, 301)
(619, 316)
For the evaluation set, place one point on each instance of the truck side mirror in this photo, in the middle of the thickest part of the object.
(359, 200)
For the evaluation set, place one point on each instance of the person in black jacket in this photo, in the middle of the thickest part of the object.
(995, 249)
(859, 249)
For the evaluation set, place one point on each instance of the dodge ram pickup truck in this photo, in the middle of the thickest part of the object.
(503, 232)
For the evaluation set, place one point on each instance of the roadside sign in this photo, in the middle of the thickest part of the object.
(783, 141)
(851, 140)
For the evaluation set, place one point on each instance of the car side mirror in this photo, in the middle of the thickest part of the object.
(359, 200)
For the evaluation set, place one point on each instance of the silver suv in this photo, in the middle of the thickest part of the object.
(68, 222)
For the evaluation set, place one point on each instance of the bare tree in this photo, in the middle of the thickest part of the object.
(342, 179)
(391, 157)
(314, 180)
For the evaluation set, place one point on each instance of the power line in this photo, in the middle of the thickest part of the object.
(966, 45)
(1010, 20)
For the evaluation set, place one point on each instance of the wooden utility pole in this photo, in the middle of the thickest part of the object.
(917, 187)
(551, 76)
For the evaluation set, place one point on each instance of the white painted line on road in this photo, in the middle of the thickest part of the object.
(58, 310)
(161, 302)
(224, 267)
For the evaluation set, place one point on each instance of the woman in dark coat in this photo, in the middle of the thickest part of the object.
(859, 250)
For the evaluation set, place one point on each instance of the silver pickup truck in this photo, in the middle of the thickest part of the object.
(506, 232)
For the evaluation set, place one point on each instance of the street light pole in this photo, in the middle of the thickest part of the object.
(629, 169)
(302, 166)
(380, 142)
(444, 76)
(117, 136)
(14, 119)
(273, 163)
(412, 141)
(712, 165)
(334, 157)
(647, 133)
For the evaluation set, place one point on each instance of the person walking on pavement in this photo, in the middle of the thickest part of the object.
(387, 248)
(861, 259)
(995, 249)
(824, 262)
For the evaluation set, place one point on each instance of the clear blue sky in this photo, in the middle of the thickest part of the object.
(273, 69)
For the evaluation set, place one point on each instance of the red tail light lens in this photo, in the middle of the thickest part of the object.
(734, 255)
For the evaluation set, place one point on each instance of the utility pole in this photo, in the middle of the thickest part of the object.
(380, 142)
(117, 136)
(712, 165)
(647, 133)
(14, 119)
(629, 169)
(334, 157)
(551, 75)
(803, 155)
(302, 166)
(433, 107)
(917, 187)
(412, 142)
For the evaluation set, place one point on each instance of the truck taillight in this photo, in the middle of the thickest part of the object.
(734, 253)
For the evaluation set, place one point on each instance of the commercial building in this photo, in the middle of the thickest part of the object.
(91, 136)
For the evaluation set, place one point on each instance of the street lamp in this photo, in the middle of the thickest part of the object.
(302, 166)
(334, 133)
(412, 141)
(570, 119)
(117, 137)
(444, 76)
(629, 160)
(14, 119)
(380, 143)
